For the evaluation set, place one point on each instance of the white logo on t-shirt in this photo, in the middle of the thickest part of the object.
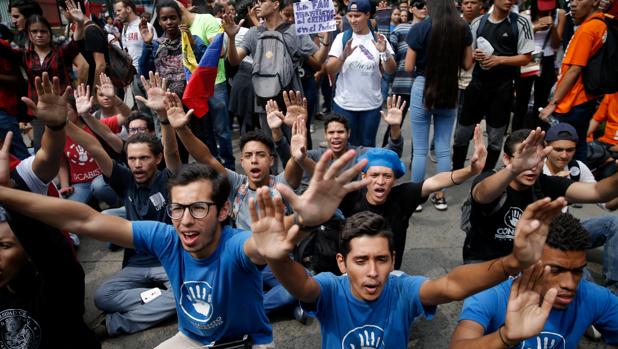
(510, 220)
(545, 340)
(196, 300)
(18, 330)
(158, 201)
(365, 337)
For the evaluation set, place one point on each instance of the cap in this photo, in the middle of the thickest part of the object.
(546, 5)
(383, 157)
(561, 132)
(359, 6)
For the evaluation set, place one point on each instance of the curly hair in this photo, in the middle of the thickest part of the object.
(567, 234)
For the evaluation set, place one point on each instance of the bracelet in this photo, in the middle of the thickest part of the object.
(502, 339)
(57, 127)
(453, 180)
(164, 122)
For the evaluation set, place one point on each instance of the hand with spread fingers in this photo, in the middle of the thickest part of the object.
(531, 152)
(147, 35)
(83, 99)
(477, 161)
(295, 105)
(106, 86)
(274, 116)
(298, 143)
(51, 106)
(230, 27)
(155, 90)
(528, 309)
(380, 44)
(74, 12)
(175, 112)
(394, 107)
(327, 188)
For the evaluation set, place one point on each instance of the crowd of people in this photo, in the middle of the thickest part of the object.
(98, 140)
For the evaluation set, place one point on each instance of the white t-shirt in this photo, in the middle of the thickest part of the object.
(132, 40)
(358, 83)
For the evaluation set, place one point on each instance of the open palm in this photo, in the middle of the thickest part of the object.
(477, 161)
(298, 143)
(175, 112)
(155, 90)
(532, 151)
(51, 106)
(295, 105)
(394, 114)
(83, 100)
(106, 87)
(274, 116)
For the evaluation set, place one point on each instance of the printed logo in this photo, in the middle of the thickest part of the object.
(18, 330)
(365, 337)
(81, 157)
(158, 201)
(545, 340)
(574, 171)
(196, 300)
(510, 221)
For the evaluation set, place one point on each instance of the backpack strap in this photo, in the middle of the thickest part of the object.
(347, 35)
(482, 23)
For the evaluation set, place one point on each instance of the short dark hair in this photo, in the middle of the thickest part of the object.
(153, 142)
(365, 223)
(217, 8)
(127, 3)
(334, 117)
(168, 3)
(197, 172)
(138, 115)
(566, 233)
(26, 7)
(510, 145)
(258, 136)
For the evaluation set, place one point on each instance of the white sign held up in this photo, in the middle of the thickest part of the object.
(314, 16)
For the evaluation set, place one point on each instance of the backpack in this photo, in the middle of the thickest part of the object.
(273, 68)
(318, 250)
(600, 75)
(120, 67)
(466, 206)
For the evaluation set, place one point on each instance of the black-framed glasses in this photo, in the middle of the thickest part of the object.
(198, 210)
(138, 129)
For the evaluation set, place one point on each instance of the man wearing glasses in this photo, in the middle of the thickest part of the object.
(214, 270)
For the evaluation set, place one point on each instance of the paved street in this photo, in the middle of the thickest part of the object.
(433, 247)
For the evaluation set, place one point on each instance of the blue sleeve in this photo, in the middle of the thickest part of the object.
(147, 59)
(154, 238)
(607, 309)
(412, 291)
(485, 309)
(328, 287)
(236, 245)
(119, 179)
(199, 48)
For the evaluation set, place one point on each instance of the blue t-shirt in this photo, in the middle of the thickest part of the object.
(347, 322)
(216, 297)
(593, 305)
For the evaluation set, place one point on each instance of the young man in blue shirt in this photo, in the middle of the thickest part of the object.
(369, 307)
(553, 308)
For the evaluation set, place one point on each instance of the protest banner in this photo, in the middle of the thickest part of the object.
(314, 16)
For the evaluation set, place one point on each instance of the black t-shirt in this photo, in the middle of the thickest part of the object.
(397, 210)
(492, 228)
(46, 305)
(94, 41)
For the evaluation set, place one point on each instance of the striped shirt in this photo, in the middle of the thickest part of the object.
(402, 84)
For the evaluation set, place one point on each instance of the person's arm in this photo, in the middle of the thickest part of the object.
(592, 126)
(93, 147)
(107, 88)
(338, 56)
(394, 116)
(234, 55)
(168, 137)
(602, 191)
(83, 103)
(69, 215)
(196, 148)
(468, 59)
(100, 65)
(319, 56)
(448, 179)
(63, 176)
(526, 314)
(558, 30)
(410, 61)
(74, 14)
(298, 151)
(563, 88)
(383, 47)
(51, 108)
(466, 280)
(489, 62)
(599, 116)
(530, 153)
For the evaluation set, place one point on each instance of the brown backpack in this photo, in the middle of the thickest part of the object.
(120, 67)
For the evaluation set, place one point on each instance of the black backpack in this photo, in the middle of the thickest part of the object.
(318, 250)
(600, 75)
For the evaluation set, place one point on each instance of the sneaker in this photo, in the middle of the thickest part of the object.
(74, 239)
(439, 203)
(98, 327)
(419, 208)
(311, 129)
(300, 315)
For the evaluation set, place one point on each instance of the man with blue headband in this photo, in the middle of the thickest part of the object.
(396, 203)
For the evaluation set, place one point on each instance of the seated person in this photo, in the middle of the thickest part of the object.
(606, 113)
(551, 309)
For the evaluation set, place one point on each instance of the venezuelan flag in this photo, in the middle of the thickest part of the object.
(188, 57)
(201, 85)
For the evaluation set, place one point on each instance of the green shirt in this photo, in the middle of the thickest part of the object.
(207, 27)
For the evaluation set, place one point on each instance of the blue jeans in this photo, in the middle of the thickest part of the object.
(277, 296)
(579, 117)
(218, 111)
(363, 125)
(602, 231)
(420, 120)
(81, 192)
(8, 123)
(103, 191)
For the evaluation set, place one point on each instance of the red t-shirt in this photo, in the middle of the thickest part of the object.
(82, 167)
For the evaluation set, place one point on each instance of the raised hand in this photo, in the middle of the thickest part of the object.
(525, 313)
(105, 86)
(394, 106)
(271, 239)
(74, 12)
(298, 143)
(477, 162)
(531, 230)
(531, 152)
(380, 44)
(229, 26)
(175, 113)
(144, 31)
(155, 90)
(5, 167)
(274, 116)
(296, 106)
(347, 50)
(326, 189)
(51, 106)
(83, 100)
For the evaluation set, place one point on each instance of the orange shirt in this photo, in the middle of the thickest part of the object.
(586, 41)
(608, 111)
